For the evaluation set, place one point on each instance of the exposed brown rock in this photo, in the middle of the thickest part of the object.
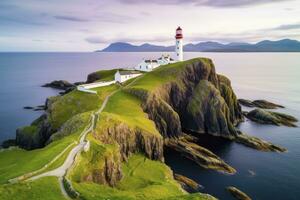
(187, 183)
(198, 154)
(267, 117)
(259, 104)
(258, 143)
(239, 195)
(131, 140)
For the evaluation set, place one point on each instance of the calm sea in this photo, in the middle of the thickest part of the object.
(271, 76)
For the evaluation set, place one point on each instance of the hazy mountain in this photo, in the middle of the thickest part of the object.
(285, 45)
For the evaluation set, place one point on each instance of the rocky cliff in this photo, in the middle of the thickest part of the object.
(197, 100)
(110, 130)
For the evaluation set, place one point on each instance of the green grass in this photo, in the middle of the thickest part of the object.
(16, 162)
(106, 75)
(94, 159)
(45, 188)
(77, 102)
(29, 130)
(163, 74)
(127, 108)
(143, 179)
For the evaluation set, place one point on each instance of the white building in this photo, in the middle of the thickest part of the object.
(122, 76)
(179, 44)
(149, 65)
(165, 59)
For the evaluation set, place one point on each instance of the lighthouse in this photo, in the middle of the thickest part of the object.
(179, 45)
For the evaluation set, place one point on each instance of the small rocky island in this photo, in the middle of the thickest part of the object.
(129, 125)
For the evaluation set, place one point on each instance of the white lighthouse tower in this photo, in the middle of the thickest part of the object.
(179, 44)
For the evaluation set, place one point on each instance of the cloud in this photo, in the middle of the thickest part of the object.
(96, 40)
(133, 39)
(288, 27)
(70, 18)
(210, 3)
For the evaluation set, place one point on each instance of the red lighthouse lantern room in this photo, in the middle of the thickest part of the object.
(178, 33)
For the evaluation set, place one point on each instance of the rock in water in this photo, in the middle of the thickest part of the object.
(246, 102)
(187, 183)
(61, 84)
(92, 77)
(259, 104)
(198, 154)
(238, 194)
(268, 117)
(266, 104)
(257, 143)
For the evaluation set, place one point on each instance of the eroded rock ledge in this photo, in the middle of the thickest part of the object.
(267, 117)
(257, 143)
(187, 183)
(238, 194)
(130, 139)
(198, 154)
(259, 104)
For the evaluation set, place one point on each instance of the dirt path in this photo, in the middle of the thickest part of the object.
(61, 171)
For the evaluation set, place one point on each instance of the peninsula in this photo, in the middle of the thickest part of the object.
(105, 138)
(122, 130)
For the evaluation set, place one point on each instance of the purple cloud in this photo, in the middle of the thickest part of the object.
(210, 3)
(288, 27)
(71, 18)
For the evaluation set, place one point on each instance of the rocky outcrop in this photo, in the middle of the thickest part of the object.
(36, 108)
(102, 165)
(257, 143)
(187, 183)
(59, 84)
(197, 100)
(259, 104)
(165, 117)
(35, 135)
(198, 154)
(8, 143)
(130, 139)
(230, 99)
(267, 117)
(92, 77)
(238, 194)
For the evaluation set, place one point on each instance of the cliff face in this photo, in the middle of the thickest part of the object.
(130, 139)
(198, 100)
(101, 164)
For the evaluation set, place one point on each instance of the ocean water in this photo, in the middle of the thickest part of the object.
(271, 76)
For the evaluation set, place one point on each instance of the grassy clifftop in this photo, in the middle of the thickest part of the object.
(141, 117)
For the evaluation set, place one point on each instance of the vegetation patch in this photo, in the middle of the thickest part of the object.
(66, 106)
(16, 162)
(46, 188)
(157, 183)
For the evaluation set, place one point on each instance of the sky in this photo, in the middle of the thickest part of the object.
(88, 25)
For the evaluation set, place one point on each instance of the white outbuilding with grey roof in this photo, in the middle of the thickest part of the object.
(122, 76)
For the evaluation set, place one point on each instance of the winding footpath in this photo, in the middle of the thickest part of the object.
(61, 171)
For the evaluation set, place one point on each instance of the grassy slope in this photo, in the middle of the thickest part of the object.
(127, 108)
(16, 162)
(136, 184)
(106, 75)
(157, 183)
(77, 102)
(162, 75)
(45, 188)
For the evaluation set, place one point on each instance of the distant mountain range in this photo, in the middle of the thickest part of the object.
(285, 45)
